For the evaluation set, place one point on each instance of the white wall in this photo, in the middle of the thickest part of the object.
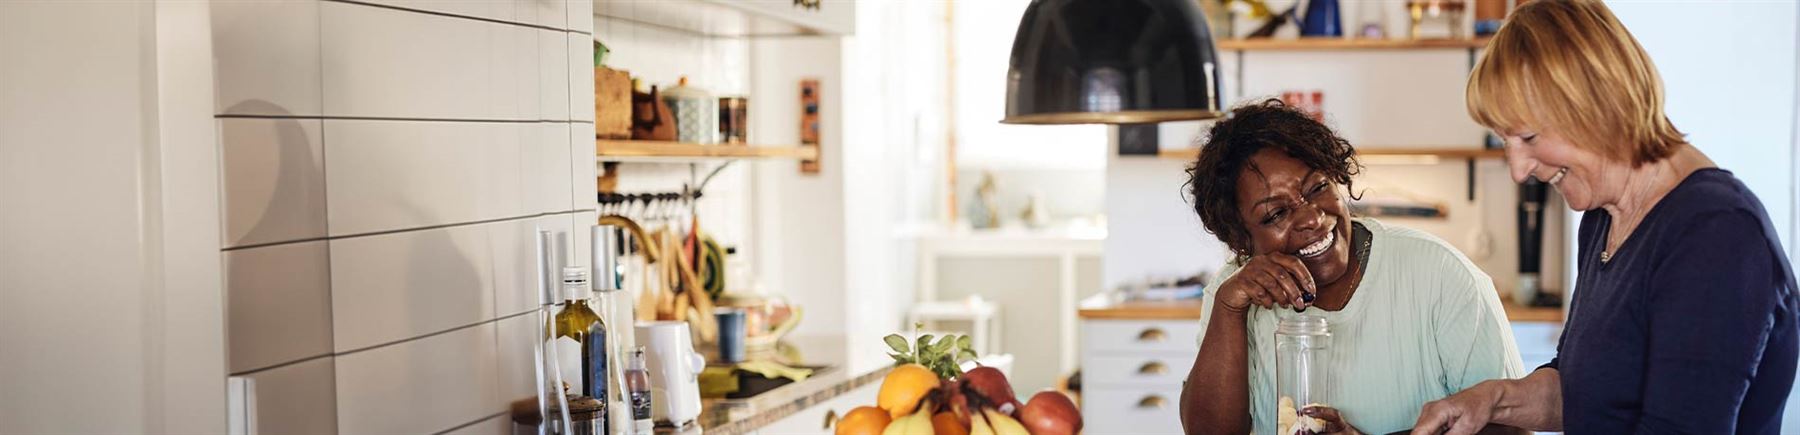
(1735, 99)
(1376, 100)
(386, 166)
(109, 280)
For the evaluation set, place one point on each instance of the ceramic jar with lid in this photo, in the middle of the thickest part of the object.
(696, 113)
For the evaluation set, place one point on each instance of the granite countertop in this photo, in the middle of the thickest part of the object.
(1112, 306)
(737, 416)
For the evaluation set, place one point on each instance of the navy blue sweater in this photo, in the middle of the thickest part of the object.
(1690, 327)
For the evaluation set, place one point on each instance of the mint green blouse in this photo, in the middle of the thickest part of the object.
(1425, 323)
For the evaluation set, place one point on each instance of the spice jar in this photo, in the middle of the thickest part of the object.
(1301, 345)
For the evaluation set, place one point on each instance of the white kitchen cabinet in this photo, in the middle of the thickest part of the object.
(1132, 373)
(812, 420)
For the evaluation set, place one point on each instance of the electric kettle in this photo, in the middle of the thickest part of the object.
(674, 371)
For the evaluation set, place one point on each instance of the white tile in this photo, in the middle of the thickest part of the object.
(397, 286)
(518, 361)
(380, 62)
(515, 256)
(497, 425)
(422, 386)
(279, 304)
(581, 77)
(296, 399)
(557, 168)
(581, 233)
(548, 13)
(502, 182)
(532, 193)
(581, 15)
(501, 10)
(273, 178)
(519, 78)
(581, 167)
(266, 57)
(553, 75)
(395, 175)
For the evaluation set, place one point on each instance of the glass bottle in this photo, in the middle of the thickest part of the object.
(580, 337)
(637, 381)
(1301, 379)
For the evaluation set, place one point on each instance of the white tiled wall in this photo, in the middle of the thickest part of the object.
(280, 305)
(395, 286)
(386, 167)
(296, 399)
(277, 169)
(420, 386)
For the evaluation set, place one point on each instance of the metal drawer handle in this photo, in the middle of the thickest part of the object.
(831, 418)
(1152, 334)
(1153, 368)
(1151, 402)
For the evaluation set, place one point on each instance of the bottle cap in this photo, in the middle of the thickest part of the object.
(575, 282)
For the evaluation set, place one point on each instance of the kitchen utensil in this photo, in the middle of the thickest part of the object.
(1532, 195)
(734, 118)
(696, 113)
(1322, 19)
(674, 371)
(650, 117)
(731, 334)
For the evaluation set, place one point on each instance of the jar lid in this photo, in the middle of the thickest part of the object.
(1303, 324)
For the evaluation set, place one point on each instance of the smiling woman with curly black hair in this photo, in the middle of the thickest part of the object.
(1411, 319)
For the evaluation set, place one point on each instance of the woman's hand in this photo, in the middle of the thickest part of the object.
(1464, 413)
(1267, 281)
(1334, 421)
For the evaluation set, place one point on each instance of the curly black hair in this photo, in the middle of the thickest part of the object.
(1213, 177)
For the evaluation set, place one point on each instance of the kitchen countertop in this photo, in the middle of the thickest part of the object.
(1107, 306)
(737, 416)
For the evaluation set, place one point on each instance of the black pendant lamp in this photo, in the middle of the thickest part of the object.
(1112, 62)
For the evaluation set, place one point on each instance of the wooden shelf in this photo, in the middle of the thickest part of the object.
(1440, 152)
(1320, 44)
(1518, 313)
(643, 150)
(735, 18)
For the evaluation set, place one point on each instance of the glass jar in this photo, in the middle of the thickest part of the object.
(1301, 378)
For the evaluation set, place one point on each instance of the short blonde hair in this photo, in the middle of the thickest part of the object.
(1570, 66)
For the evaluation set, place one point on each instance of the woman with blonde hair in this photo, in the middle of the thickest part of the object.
(1683, 316)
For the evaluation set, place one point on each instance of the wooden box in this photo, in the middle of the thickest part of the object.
(612, 103)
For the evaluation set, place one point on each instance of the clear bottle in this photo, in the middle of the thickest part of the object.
(637, 382)
(1302, 343)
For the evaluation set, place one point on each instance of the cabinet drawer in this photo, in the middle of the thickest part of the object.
(812, 420)
(1156, 371)
(1174, 336)
(1132, 411)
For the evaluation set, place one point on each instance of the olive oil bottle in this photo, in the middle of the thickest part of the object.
(580, 337)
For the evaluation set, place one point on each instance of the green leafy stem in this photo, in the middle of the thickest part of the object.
(944, 356)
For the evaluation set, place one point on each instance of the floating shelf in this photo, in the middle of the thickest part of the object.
(1439, 152)
(644, 150)
(1518, 313)
(1320, 44)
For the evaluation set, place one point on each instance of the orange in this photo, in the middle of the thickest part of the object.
(864, 420)
(904, 387)
(945, 423)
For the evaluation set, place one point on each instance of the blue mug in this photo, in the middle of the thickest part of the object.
(731, 334)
